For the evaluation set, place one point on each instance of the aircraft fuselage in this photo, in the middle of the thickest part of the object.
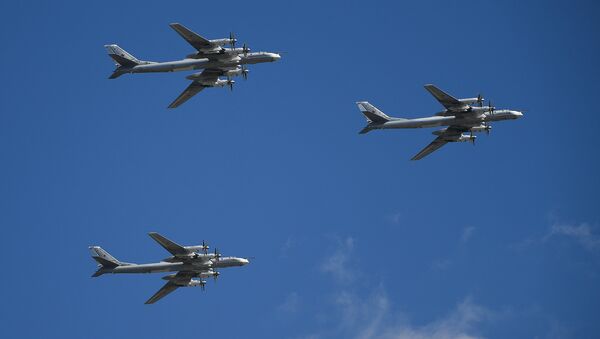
(194, 64)
(467, 119)
(191, 265)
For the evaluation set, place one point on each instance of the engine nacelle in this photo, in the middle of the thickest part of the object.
(208, 274)
(466, 138)
(196, 283)
(223, 83)
(482, 128)
(235, 72)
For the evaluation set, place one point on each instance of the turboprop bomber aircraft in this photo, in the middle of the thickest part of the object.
(211, 56)
(463, 117)
(193, 264)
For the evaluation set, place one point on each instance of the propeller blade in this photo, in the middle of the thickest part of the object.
(232, 40)
(244, 72)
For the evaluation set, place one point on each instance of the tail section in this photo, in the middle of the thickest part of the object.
(373, 114)
(103, 257)
(121, 57)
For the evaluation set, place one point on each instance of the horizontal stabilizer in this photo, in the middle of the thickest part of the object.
(99, 272)
(118, 72)
(366, 129)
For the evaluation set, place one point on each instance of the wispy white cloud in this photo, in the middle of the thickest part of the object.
(583, 233)
(395, 218)
(442, 264)
(467, 234)
(291, 303)
(373, 317)
(289, 243)
(337, 263)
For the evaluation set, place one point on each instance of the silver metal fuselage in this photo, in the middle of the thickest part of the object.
(193, 64)
(190, 265)
(466, 118)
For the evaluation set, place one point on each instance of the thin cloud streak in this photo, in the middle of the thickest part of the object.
(583, 233)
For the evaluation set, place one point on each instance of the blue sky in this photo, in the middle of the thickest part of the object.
(351, 239)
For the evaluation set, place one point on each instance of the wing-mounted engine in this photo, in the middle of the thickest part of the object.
(481, 128)
(451, 135)
(465, 138)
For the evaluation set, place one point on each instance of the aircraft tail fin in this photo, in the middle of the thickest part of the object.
(121, 57)
(372, 114)
(103, 258)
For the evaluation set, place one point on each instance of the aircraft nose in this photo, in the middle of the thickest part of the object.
(275, 56)
(245, 261)
(518, 114)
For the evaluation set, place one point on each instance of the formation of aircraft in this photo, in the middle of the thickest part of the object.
(193, 264)
(211, 56)
(463, 117)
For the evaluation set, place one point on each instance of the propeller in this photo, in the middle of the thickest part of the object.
(245, 72)
(232, 40)
(230, 84)
(216, 275)
(480, 100)
(202, 284)
(217, 254)
(204, 247)
(245, 49)
(490, 107)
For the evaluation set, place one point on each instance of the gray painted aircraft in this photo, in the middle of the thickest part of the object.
(216, 61)
(460, 115)
(193, 264)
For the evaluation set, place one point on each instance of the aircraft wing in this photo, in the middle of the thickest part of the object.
(181, 279)
(207, 76)
(193, 89)
(169, 245)
(442, 139)
(163, 292)
(197, 41)
(444, 98)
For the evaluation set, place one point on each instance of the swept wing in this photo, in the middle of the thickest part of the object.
(198, 42)
(450, 134)
(169, 245)
(181, 279)
(444, 98)
(205, 79)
